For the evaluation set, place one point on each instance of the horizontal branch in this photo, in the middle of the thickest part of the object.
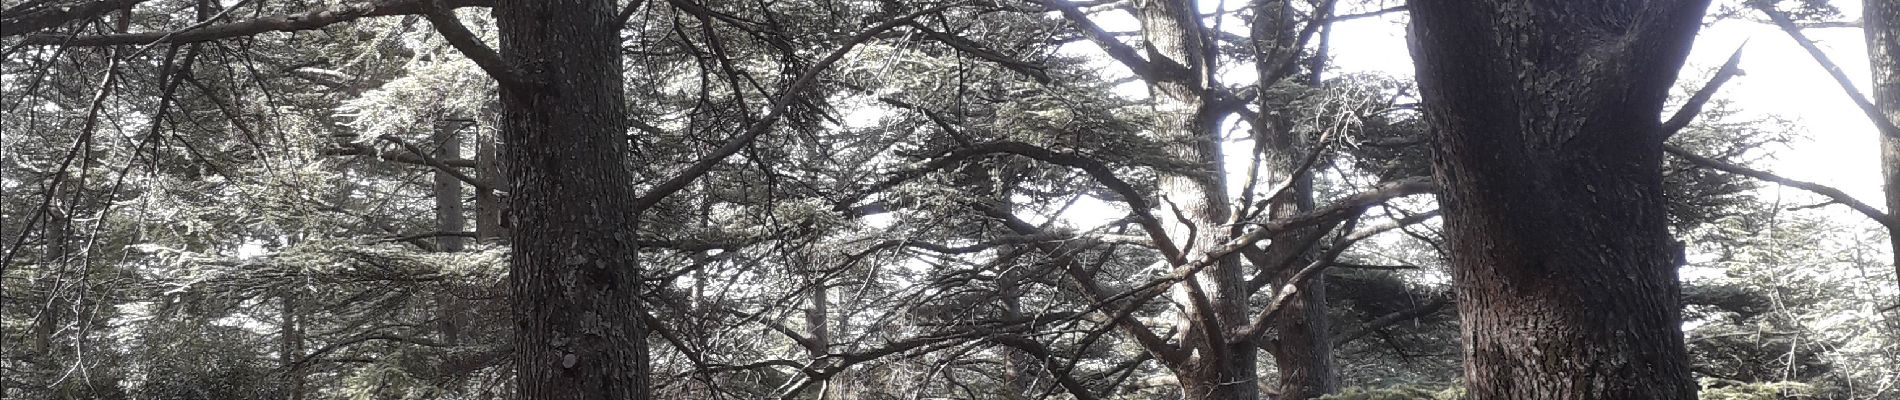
(439, 165)
(49, 17)
(1827, 191)
(779, 105)
(282, 23)
(1117, 50)
(359, 149)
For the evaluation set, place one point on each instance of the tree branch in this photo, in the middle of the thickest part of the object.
(359, 149)
(1880, 121)
(1033, 71)
(778, 108)
(1117, 50)
(55, 16)
(1318, 266)
(439, 165)
(1693, 106)
(1831, 193)
(442, 17)
(282, 23)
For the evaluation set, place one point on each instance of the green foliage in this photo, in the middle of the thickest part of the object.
(1716, 389)
(1402, 392)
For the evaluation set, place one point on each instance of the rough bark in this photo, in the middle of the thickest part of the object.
(574, 274)
(1546, 114)
(1303, 351)
(1194, 205)
(1883, 46)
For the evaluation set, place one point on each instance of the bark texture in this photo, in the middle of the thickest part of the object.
(1303, 351)
(1547, 153)
(1883, 45)
(574, 274)
(1195, 207)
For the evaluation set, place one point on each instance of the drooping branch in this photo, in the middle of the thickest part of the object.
(1693, 108)
(281, 23)
(1117, 50)
(1833, 70)
(442, 17)
(29, 22)
(1100, 172)
(1298, 281)
(1144, 336)
(777, 110)
(1041, 352)
(1034, 71)
(1332, 212)
(1831, 193)
(439, 165)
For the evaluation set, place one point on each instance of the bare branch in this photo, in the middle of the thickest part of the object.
(1693, 107)
(1787, 25)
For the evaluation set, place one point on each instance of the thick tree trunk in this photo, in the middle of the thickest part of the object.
(1881, 21)
(1549, 161)
(1303, 352)
(574, 272)
(1195, 207)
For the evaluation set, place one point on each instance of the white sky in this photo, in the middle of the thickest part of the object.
(1779, 78)
(1837, 145)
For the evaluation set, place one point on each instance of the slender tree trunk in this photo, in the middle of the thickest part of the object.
(1303, 351)
(448, 219)
(1549, 161)
(1881, 21)
(574, 272)
(291, 336)
(488, 205)
(448, 189)
(1194, 206)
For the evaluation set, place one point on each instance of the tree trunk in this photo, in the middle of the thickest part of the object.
(488, 205)
(1303, 352)
(448, 189)
(1194, 206)
(449, 220)
(1883, 46)
(1549, 160)
(291, 347)
(574, 272)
